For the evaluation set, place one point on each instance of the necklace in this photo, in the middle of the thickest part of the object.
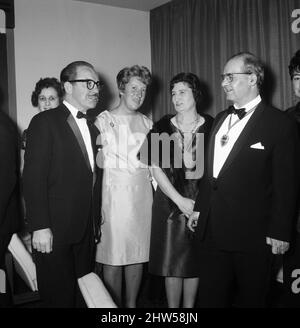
(190, 130)
(225, 138)
(186, 138)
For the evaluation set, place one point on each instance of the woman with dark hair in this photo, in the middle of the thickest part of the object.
(294, 70)
(126, 188)
(291, 260)
(47, 94)
(172, 254)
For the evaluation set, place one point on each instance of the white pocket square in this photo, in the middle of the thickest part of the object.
(257, 146)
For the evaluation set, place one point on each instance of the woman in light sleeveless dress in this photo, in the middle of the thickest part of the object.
(126, 188)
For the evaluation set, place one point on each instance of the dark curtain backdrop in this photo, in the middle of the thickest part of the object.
(200, 35)
(3, 74)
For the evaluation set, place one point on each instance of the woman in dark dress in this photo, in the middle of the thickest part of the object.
(172, 253)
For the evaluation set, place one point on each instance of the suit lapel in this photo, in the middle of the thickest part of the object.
(74, 127)
(211, 143)
(243, 137)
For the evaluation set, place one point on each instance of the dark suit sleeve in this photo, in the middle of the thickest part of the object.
(37, 161)
(284, 182)
(8, 178)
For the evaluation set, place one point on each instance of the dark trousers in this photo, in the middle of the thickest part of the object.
(5, 298)
(58, 271)
(291, 274)
(232, 278)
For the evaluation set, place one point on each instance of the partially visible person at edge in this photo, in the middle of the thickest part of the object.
(291, 261)
(47, 94)
(126, 188)
(10, 214)
(172, 252)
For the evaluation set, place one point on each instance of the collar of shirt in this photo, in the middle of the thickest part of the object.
(84, 132)
(251, 104)
(72, 109)
(222, 152)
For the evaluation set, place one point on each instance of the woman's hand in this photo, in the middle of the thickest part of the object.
(186, 205)
(193, 221)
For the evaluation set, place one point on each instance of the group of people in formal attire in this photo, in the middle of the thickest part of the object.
(89, 198)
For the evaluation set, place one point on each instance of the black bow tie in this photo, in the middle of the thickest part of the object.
(81, 115)
(89, 118)
(241, 112)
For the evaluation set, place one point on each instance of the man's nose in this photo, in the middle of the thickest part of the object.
(139, 93)
(225, 81)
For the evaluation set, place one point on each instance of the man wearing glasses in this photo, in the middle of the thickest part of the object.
(61, 188)
(247, 201)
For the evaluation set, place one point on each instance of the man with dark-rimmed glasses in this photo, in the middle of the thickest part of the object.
(62, 190)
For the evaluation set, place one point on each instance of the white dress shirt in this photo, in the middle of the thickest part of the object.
(237, 126)
(84, 130)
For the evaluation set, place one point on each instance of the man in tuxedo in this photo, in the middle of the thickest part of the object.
(61, 189)
(9, 195)
(247, 198)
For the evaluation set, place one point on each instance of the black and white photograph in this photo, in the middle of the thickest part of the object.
(149, 157)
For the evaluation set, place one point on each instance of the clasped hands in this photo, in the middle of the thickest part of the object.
(186, 206)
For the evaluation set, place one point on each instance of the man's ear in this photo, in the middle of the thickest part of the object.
(68, 87)
(253, 79)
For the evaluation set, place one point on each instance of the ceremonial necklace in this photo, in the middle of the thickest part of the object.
(225, 138)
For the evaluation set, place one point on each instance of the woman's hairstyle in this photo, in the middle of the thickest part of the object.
(294, 66)
(141, 72)
(192, 81)
(48, 82)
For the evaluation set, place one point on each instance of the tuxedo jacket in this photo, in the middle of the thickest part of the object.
(10, 215)
(254, 195)
(57, 177)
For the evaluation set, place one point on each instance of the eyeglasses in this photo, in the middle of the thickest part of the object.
(90, 84)
(50, 99)
(229, 76)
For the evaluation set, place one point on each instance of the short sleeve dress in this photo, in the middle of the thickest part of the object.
(126, 190)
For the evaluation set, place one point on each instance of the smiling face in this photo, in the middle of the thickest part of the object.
(182, 97)
(77, 93)
(48, 99)
(242, 88)
(134, 94)
(296, 83)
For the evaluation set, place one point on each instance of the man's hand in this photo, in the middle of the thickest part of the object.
(278, 246)
(193, 221)
(42, 240)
